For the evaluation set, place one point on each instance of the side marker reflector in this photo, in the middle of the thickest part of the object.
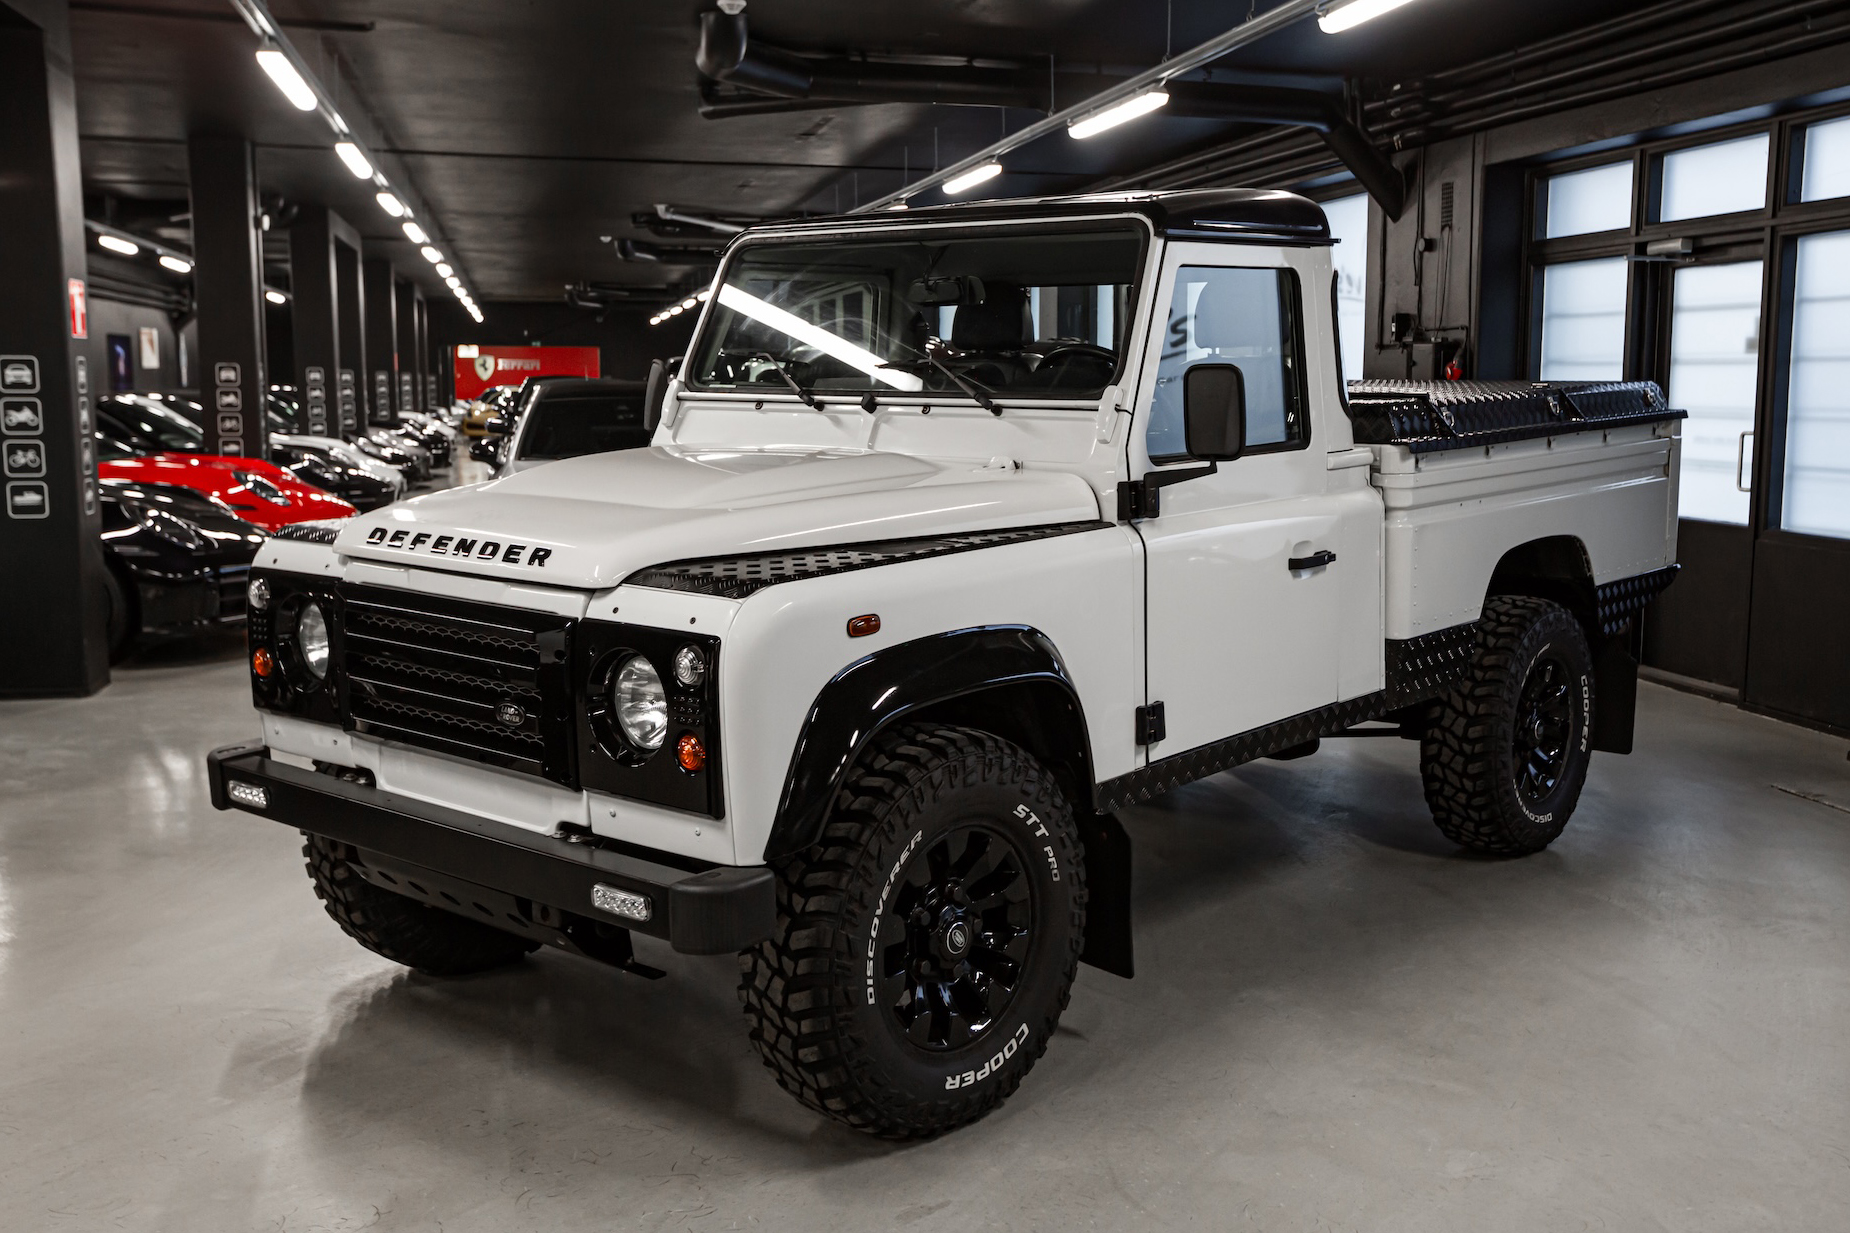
(861, 626)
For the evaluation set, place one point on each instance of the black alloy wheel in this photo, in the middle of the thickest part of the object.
(1506, 751)
(926, 944)
(1544, 726)
(955, 938)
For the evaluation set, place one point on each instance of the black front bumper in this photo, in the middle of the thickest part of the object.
(698, 913)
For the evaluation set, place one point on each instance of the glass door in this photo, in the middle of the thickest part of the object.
(1713, 372)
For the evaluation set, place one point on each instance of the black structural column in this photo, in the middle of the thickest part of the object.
(315, 241)
(350, 378)
(410, 354)
(228, 289)
(381, 308)
(52, 604)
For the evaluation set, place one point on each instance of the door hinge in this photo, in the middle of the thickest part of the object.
(1150, 728)
(1144, 498)
(1136, 501)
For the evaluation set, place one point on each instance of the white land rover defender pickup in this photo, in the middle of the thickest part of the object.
(961, 529)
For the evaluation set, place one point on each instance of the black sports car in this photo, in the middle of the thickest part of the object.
(177, 562)
(318, 467)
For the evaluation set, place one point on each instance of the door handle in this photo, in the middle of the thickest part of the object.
(1740, 464)
(1316, 560)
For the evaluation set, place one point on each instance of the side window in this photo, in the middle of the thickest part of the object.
(1246, 317)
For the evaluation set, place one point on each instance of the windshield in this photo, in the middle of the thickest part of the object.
(166, 429)
(567, 425)
(1026, 314)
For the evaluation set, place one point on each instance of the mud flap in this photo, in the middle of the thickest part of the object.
(1108, 894)
(1615, 692)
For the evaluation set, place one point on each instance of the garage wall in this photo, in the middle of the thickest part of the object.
(109, 317)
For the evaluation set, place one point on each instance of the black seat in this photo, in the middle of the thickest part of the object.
(998, 324)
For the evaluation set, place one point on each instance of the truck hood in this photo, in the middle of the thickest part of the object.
(591, 522)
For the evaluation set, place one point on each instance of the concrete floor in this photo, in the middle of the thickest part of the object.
(1340, 1022)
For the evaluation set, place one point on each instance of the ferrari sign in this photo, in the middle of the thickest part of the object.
(481, 367)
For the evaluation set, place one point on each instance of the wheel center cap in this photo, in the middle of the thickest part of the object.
(956, 939)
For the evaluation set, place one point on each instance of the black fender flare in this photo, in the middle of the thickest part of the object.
(896, 681)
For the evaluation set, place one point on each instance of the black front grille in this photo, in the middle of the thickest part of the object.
(466, 679)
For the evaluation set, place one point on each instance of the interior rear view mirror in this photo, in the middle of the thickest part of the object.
(1214, 411)
(946, 289)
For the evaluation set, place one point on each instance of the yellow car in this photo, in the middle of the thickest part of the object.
(494, 402)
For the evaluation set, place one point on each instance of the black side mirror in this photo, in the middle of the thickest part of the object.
(654, 394)
(1214, 411)
(482, 449)
(496, 427)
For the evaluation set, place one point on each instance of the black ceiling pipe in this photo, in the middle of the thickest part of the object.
(1300, 108)
(727, 53)
(674, 254)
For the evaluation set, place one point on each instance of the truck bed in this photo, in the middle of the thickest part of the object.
(1469, 470)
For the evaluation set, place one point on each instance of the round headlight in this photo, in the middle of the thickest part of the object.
(690, 666)
(641, 703)
(311, 638)
(258, 594)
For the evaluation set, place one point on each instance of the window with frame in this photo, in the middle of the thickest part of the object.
(1245, 317)
(1349, 228)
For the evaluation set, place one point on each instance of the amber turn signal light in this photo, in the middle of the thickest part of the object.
(262, 662)
(691, 752)
(861, 626)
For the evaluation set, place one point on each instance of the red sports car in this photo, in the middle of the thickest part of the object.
(138, 439)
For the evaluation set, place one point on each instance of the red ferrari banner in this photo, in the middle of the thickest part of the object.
(483, 367)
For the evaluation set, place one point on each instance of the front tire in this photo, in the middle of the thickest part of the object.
(1506, 754)
(429, 939)
(926, 947)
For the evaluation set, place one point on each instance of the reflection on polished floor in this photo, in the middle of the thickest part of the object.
(1339, 1022)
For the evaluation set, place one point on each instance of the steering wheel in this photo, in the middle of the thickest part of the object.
(1064, 355)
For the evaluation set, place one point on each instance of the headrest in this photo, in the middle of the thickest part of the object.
(1238, 311)
(999, 323)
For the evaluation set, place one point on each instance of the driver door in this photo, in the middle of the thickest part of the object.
(1237, 637)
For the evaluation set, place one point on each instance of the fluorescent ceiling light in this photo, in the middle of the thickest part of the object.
(972, 178)
(460, 293)
(690, 301)
(276, 297)
(415, 233)
(179, 265)
(454, 282)
(815, 336)
(1354, 13)
(704, 296)
(290, 82)
(431, 255)
(391, 205)
(116, 244)
(356, 161)
(675, 310)
(444, 270)
(1137, 105)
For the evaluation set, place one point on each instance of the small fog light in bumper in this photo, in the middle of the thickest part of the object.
(627, 904)
(247, 794)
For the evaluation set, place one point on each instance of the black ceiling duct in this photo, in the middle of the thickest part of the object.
(775, 80)
(728, 54)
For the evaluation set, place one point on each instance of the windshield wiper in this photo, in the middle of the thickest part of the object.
(977, 393)
(789, 380)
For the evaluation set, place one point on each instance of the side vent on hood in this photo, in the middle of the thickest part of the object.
(735, 577)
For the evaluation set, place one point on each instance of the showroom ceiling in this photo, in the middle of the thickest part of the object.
(532, 130)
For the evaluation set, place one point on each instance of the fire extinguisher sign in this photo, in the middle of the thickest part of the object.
(80, 309)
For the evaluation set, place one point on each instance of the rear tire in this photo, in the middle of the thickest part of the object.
(121, 622)
(429, 939)
(926, 947)
(1506, 753)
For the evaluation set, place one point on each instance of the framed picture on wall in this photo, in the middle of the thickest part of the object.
(150, 346)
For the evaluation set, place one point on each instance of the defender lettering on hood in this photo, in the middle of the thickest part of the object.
(458, 546)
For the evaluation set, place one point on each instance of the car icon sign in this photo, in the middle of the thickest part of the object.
(16, 375)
